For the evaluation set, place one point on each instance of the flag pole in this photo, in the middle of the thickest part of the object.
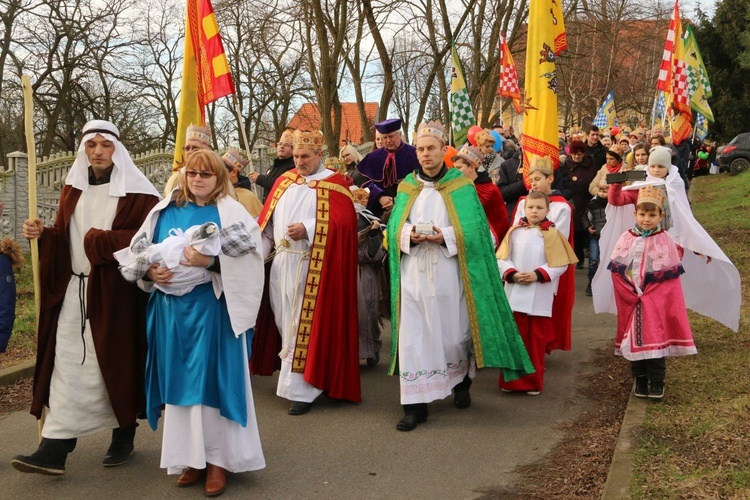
(28, 106)
(251, 165)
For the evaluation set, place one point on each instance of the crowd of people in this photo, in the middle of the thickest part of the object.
(473, 261)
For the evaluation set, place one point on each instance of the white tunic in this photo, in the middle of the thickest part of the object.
(78, 400)
(434, 336)
(287, 281)
(198, 434)
(526, 255)
(559, 213)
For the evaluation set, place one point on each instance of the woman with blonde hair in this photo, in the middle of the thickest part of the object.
(351, 157)
(199, 336)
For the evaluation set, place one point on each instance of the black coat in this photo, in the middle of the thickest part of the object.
(267, 180)
(598, 153)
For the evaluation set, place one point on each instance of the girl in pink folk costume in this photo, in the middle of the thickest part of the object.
(652, 320)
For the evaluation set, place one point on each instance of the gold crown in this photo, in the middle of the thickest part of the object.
(470, 154)
(542, 164)
(431, 129)
(484, 138)
(234, 158)
(335, 164)
(287, 137)
(199, 133)
(652, 194)
(360, 195)
(308, 140)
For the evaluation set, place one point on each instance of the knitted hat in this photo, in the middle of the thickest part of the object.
(660, 155)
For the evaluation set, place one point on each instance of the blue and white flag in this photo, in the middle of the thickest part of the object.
(701, 127)
(659, 112)
(606, 117)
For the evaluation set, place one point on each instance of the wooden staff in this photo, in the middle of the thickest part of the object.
(28, 108)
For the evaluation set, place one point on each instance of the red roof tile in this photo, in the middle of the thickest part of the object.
(308, 118)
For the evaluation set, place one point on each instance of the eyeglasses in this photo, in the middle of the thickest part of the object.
(202, 174)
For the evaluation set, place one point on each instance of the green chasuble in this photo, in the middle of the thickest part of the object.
(495, 337)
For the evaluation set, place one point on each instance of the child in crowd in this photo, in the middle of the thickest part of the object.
(595, 218)
(469, 161)
(370, 277)
(541, 177)
(652, 320)
(711, 284)
(11, 260)
(531, 258)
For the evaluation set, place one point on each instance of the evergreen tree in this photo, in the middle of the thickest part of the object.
(725, 47)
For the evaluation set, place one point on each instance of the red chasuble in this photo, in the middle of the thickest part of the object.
(494, 208)
(327, 348)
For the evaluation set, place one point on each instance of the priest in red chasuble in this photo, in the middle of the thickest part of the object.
(310, 230)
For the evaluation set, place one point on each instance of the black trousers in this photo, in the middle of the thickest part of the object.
(654, 369)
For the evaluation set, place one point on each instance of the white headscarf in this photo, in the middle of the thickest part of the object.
(126, 177)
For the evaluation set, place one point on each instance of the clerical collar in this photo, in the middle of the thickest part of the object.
(395, 150)
(435, 178)
(104, 179)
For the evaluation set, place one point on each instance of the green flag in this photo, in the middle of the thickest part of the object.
(698, 85)
(462, 115)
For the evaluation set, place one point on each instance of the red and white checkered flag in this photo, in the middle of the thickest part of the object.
(665, 71)
(508, 86)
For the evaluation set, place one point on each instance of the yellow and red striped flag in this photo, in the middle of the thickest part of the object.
(546, 39)
(508, 76)
(205, 71)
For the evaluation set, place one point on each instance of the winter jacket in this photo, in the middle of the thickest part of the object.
(596, 215)
(7, 301)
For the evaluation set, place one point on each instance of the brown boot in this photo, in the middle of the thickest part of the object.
(190, 477)
(216, 480)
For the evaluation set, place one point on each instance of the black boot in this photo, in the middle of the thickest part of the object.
(461, 396)
(48, 459)
(121, 447)
(589, 293)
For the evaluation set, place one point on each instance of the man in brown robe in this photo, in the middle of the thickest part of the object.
(91, 340)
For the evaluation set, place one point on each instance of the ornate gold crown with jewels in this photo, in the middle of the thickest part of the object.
(360, 195)
(308, 140)
(335, 164)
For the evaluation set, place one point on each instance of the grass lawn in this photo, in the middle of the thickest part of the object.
(696, 443)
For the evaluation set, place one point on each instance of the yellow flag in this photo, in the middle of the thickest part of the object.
(546, 39)
(190, 110)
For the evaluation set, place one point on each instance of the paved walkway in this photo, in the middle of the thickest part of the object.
(350, 451)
